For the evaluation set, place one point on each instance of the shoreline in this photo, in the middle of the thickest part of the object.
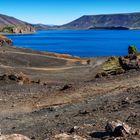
(17, 33)
(58, 53)
(30, 33)
(65, 54)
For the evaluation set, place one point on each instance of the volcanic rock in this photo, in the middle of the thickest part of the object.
(4, 41)
(120, 129)
(65, 136)
(14, 137)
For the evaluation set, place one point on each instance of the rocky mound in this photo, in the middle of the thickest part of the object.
(65, 136)
(13, 137)
(4, 41)
(119, 65)
(130, 62)
(20, 78)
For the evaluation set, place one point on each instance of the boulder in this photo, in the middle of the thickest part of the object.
(3, 77)
(65, 87)
(65, 136)
(20, 78)
(13, 77)
(13, 137)
(120, 129)
(101, 74)
(130, 62)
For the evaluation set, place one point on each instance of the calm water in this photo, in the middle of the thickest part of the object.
(80, 43)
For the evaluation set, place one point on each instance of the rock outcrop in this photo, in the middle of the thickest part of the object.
(119, 65)
(120, 130)
(13, 137)
(23, 30)
(4, 41)
(131, 61)
(65, 136)
(19, 78)
(17, 25)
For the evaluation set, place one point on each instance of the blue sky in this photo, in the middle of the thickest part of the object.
(63, 11)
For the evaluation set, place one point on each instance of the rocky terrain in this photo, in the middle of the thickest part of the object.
(17, 25)
(47, 96)
(116, 21)
(5, 41)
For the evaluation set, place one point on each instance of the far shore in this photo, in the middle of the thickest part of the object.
(16, 33)
(30, 33)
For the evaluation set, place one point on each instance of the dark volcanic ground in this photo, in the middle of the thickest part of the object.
(71, 96)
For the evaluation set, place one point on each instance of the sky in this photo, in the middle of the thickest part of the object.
(58, 12)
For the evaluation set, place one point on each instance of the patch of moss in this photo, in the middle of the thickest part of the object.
(112, 64)
(132, 49)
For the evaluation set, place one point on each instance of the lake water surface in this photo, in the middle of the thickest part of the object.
(80, 43)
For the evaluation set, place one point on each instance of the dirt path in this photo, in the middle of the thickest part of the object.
(56, 56)
(44, 69)
(33, 54)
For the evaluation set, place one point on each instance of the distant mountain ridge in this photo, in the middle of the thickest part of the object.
(45, 27)
(127, 20)
(18, 25)
(104, 21)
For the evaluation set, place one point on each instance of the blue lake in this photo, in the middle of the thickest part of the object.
(80, 43)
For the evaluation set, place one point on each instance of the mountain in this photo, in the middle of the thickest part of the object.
(127, 20)
(45, 27)
(106, 21)
(13, 25)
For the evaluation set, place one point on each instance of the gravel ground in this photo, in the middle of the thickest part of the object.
(70, 97)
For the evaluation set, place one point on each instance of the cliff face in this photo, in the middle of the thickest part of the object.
(16, 26)
(131, 20)
(23, 29)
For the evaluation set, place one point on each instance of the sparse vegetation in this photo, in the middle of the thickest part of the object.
(7, 29)
(132, 49)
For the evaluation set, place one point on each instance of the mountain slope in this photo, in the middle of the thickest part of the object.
(45, 27)
(17, 25)
(41, 27)
(128, 20)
